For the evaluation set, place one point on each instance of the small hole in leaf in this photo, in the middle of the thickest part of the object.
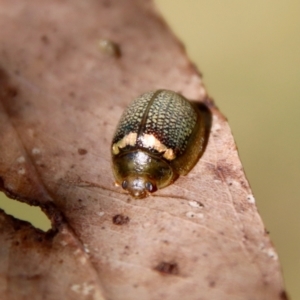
(25, 212)
(120, 219)
(167, 268)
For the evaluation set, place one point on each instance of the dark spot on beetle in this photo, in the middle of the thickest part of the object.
(82, 151)
(16, 243)
(61, 261)
(120, 219)
(45, 39)
(103, 227)
(283, 295)
(135, 285)
(167, 268)
(267, 231)
(79, 200)
(212, 283)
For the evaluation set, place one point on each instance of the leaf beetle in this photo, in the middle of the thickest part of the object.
(160, 136)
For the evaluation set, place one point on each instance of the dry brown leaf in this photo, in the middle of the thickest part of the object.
(61, 98)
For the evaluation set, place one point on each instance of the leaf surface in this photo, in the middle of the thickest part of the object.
(61, 97)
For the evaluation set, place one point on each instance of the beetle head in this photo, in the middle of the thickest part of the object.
(139, 186)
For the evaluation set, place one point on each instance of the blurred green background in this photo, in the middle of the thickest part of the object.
(249, 54)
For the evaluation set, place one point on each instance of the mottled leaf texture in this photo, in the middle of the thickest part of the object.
(68, 70)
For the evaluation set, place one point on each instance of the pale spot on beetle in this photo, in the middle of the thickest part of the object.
(191, 214)
(127, 140)
(251, 199)
(101, 213)
(150, 141)
(169, 154)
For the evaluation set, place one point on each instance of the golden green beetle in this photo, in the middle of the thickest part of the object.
(160, 136)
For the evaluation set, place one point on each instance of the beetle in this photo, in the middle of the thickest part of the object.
(160, 136)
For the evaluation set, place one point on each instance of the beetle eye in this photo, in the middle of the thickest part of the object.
(150, 187)
(125, 184)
